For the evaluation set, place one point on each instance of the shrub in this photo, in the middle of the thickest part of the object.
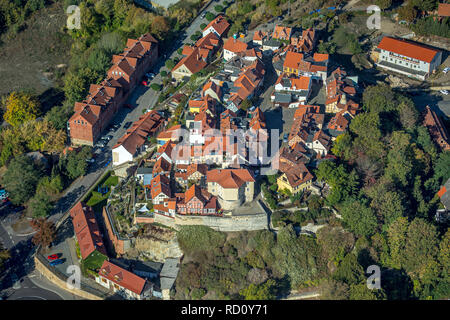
(210, 16)
(156, 87)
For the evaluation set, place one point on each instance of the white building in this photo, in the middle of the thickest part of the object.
(408, 58)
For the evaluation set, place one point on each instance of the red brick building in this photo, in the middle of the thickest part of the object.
(93, 114)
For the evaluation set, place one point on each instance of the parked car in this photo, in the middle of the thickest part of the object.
(447, 69)
(144, 83)
(53, 256)
(127, 125)
(90, 160)
(109, 137)
(150, 75)
(445, 92)
(285, 137)
(203, 15)
(56, 262)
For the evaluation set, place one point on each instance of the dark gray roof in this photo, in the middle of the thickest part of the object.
(272, 43)
(282, 97)
(144, 170)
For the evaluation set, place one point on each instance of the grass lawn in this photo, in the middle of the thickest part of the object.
(95, 199)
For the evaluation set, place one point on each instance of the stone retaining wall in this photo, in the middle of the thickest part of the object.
(225, 223)
(61, 283)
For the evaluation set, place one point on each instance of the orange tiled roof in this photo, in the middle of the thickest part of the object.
(230, 178)
(408, 49)
(235, 45)
(86, 230)
(122, 277)
(220, 24)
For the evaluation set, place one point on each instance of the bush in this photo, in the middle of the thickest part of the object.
(164, 73)
(156, 87)
(210, 16)
(169, 64)
(199, 238)
(218, 8)
(203, 26)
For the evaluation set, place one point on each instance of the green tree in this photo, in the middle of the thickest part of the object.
(349, 270)
(359, 218)
(21, 107)
(397, 234)
(41, 205)
(263, 291)
(20, 179)
(384, 4)
(210, 16)
(421, 245)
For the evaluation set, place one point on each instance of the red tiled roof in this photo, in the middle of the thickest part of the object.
(408, 49)
(144, 127)
(122, 277)
(281, 32)
(220, 24)
(230, 178)
(293, 60)
(86, 230)
(235, 45)
(444, 10)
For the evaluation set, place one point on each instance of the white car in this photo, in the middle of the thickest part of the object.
(446, 70)
(445, 92)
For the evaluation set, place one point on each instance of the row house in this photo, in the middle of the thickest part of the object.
(219, 26)
(193, 172)
(197, 201)
(87, 232)
(172, 134)
(315, 66)
(160, 189)
(297, 88)
(340, 92)
(281, 33)
(232, 47)
(136, 139)
(303, 41)
(259, 36)
(307, 128)
(123, 282)
(246, 86)
(93, 115)
(197, 57)
(232, 187)
(406, 57)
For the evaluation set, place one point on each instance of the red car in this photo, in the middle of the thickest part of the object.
(144, 83)
(53, 257)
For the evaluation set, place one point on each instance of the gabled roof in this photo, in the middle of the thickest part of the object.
(193, 62)
(136, 136)
(293, 60)
(220, 24)
(230, 178)
(296, 174)
(235, 45)
(86, 230)
(281, 32)
(408, 48)
(160, 184)
(122, 277)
